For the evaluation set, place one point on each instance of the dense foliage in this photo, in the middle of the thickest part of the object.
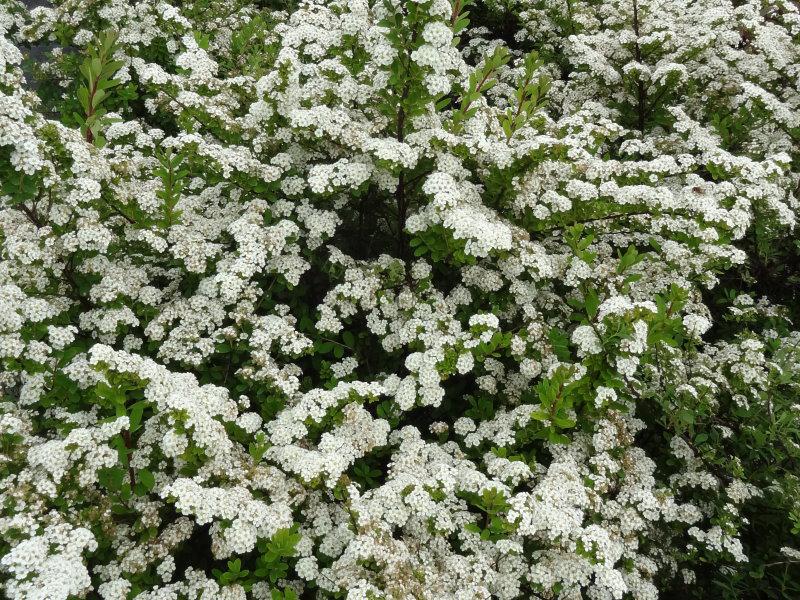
(399, 299)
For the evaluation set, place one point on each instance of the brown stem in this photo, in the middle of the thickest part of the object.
(228, 367)
(69, 275)
(456, 12)
(119, 212)
(90, 112)
(33, 217)
(479, 88)
(594, 219)
(416, 178)
(126, 438)
(782, 562)
(402, 209)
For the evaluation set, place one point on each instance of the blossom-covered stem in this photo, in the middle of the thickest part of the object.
(401, 200)
(641, 95)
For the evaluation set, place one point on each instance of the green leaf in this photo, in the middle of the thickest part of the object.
(135, 416)
(147, 479)
(560, 343)
(85, 70)
(473, 527)
(201, 39)
(83, 98)
(686, 416)
(591, 303)
(564, 423)
(507, 127)
(112, 67)
(107, 84)
(111, 478)
(557, 438)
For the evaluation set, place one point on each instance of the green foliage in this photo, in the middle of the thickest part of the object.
(492, 503)
(439, 244)
(21, 187)
(258, 448)
(172, 176)
(460, 17)
(480, 81)
(530, 96)
(272, 562)
(406, 96)
(233, 574)
(249, 47)
(365, 474)
(556, 401)
(97, 69)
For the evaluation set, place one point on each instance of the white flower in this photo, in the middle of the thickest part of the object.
(696, 325)
(585, 338)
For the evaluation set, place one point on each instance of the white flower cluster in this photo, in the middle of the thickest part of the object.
(50, 564)
(248, 518)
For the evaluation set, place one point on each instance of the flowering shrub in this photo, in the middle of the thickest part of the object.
(401, 299)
